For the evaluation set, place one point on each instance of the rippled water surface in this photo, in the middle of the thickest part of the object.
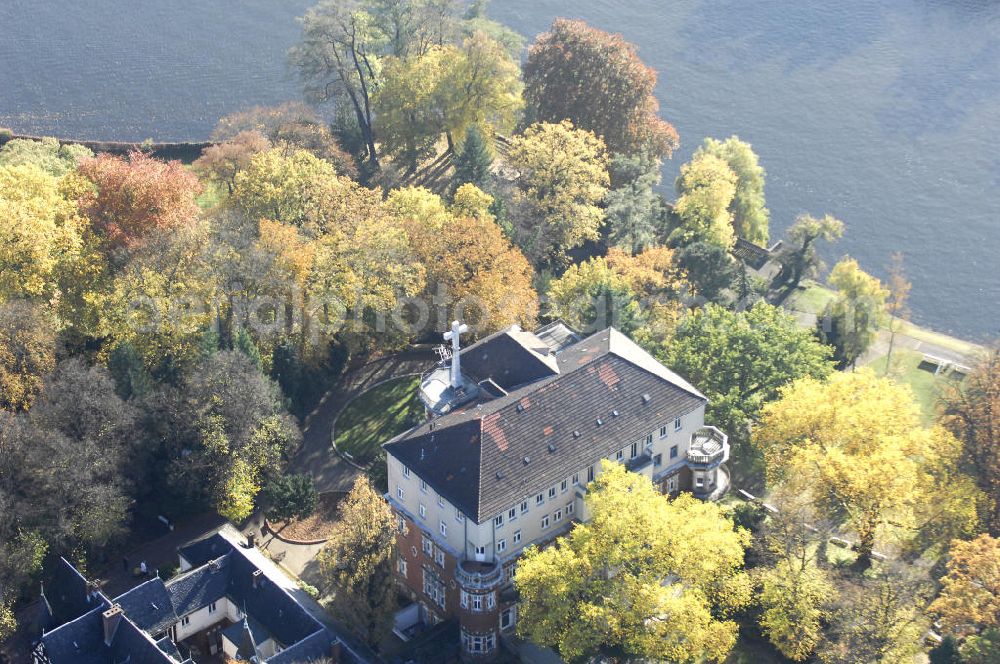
(884, 114)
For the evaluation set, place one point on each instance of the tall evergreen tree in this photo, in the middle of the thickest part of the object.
(472, 164)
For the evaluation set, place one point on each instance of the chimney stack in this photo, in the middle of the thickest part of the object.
(258, 576)
(111, 618)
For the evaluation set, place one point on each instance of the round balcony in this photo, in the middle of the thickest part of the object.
(475, 575)
(709, 447)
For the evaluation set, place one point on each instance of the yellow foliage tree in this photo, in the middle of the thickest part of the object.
(705, 189)
(969, 602)
(856, 444)
(646, 574)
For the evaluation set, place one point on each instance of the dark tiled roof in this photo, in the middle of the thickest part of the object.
(201, 551)
(311, 649)
(169, 647)
(753, 255)
(201, 586)
(486, 457)
(81, 641)
(509, 358)
(149, 605)
(66, 596)
(269, 604)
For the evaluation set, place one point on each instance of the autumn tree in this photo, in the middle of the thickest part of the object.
(741, 360)
(969, 602)
(597, 81)
(339, 60)
(221, 162)
(291, 126)
(471, 268)
(356, 563)
(562, 177)
(799, 259)
(834, 440)
(794, 589)
(135, 196)
(40, 231)
(852, 321)
(705, 190)
(56, 159)
(877, 618)
(27, 353)
(649, 576)
(481, 88)
(971, 410)
(750, 214)
(287, 188)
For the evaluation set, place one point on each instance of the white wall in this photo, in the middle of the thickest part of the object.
(463, 536)
(203, 619)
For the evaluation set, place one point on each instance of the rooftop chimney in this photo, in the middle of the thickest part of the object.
(111, 618)
(258, 576)
(457, 329)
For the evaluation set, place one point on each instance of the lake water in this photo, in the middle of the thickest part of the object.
(885, 114)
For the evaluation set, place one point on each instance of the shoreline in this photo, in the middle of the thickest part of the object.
(184, 151)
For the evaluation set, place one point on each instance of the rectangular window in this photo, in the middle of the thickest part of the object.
(434, 587)
(406, 471)
(576, 478)
(545, 522)
(663, 432)
(658, 460)
(401, 565)
(699, 481)
(185, 621)
(524, 507)
(557, 516)
(673, 451)
(423, 486)
(399, 492)
(491, 600)
(439, 557)
(564, 486)
(570, 507)
(477, 602)
(480, 550)
(552, 492)
(590, 474)
(423, 511)
(211, 607)
(464, 599)
(634, 452)
(498, 520)
(649, 439)
(620, 455)
(507, 619)
(443, 527)
(501, 546)
(440, 501)
(426, 545)
(677, 424)
(517, 537)
(400, 525)
(539, 499)
(458, 515)
(512, 514)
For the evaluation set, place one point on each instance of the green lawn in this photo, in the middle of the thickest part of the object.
(906, 369)
(812, 299)
(376, 416)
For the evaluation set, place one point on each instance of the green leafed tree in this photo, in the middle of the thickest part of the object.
(799, 259)
(705, 190)
(633, 210)
(648, 576)
(290, 497)
(750, 214)
(473, 161)
(356, 563)
(741, 360)
(852, 321)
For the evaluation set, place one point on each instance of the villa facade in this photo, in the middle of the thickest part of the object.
(519, 425)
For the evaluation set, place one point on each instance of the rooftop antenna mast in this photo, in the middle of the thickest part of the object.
(452, 336)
